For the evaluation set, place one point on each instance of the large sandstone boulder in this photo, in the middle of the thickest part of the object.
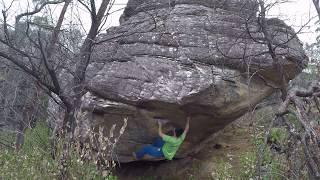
(173, 58)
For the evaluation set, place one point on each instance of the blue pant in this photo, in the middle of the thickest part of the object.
(155, 149)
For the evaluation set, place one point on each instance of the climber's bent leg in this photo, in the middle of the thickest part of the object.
(153, 151)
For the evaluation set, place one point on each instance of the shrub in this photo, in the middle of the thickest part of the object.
(278, 135)
(34, 161)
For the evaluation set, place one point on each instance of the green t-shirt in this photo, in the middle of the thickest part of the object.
(171, 145)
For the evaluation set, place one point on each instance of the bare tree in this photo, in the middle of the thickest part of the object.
(41, 62)
(302, 104)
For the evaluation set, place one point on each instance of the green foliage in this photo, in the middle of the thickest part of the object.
(294, 121)
(223, 171)
(246, 170)
(34, 165)
(37, 138)
(278, 135)
(271, 168)
(34, 161)
(257, 140)
(273, 171)
(248, 164)
(7, 140)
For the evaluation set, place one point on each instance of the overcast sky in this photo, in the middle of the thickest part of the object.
(295, 13)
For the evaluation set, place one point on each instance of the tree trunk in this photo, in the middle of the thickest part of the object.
(20, 136)
(67, 134)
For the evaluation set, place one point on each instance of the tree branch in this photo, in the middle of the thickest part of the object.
(86, 47)
(27, 70)
(38, 9)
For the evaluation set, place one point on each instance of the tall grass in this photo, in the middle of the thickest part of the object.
(34, 161)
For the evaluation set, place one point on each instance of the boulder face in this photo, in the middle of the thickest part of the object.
(172, 58)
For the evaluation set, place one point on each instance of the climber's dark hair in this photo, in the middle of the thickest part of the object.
(178, 131)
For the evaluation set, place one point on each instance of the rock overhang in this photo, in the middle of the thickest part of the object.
(171, 59)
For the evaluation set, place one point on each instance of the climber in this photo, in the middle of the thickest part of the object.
(164, 146)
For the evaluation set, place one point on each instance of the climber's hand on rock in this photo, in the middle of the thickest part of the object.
(188, 119)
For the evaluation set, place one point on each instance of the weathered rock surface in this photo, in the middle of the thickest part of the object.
(171, 58)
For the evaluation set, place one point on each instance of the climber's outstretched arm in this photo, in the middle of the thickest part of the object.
(186, 129)
(160, 129)
(147, 116)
